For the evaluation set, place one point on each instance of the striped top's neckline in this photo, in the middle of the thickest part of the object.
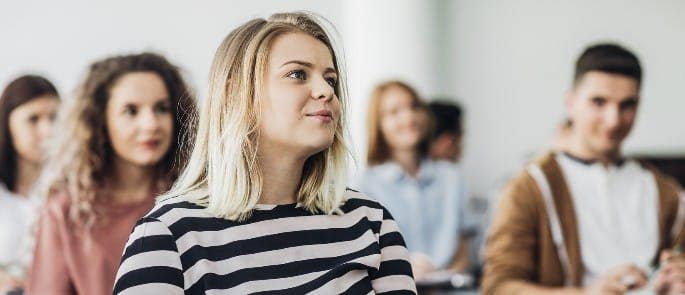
(267, 207)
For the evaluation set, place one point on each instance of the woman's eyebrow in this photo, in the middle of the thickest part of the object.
(309, 65)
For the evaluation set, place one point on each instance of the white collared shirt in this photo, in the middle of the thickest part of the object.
(616, 210)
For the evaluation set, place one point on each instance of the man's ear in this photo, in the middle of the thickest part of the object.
(570, 102)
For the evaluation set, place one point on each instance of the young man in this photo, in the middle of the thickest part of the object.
(585, 220)
(446, 140)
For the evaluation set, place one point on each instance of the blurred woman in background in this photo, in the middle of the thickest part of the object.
(120, 143)
(427, 197)
(28, 106)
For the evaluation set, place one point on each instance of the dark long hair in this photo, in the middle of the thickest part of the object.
(17, 93)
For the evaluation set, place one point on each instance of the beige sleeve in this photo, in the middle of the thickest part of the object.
(510, 253)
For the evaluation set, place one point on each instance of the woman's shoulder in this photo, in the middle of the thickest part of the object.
(171, 209)
(355, 199)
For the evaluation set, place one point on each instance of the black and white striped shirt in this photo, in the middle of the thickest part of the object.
(179, 248)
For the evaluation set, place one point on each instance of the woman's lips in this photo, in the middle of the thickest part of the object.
(323, 115)
(150, 144)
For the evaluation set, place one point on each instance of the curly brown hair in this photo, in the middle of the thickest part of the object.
(80, 156)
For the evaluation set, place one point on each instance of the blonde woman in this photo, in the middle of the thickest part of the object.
(262, 205)
(118, 145)
(427, 196)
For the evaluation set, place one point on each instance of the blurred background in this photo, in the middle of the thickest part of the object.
(508, 63)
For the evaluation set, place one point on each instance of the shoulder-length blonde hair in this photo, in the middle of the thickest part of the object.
(223, 173)
(378, 150)
(80, 156)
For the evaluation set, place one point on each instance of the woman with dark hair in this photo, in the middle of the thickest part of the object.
(120, 144)
(27, 108)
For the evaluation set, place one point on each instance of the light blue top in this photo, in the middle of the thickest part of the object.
(429, 209)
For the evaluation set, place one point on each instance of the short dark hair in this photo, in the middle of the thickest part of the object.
(608, 58)
(447, 118)
(18, 92)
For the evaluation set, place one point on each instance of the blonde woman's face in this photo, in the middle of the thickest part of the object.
(139, 119)
(30, 124)
(403, 122)
(299, 107)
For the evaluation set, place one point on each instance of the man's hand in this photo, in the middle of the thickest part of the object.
(671, 278)
(618, 281)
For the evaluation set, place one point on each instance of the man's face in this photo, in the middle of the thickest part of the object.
(602, 107)
(446, 146)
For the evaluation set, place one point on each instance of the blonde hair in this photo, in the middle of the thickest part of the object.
(223, 173)
(80, 157)
(378, 151)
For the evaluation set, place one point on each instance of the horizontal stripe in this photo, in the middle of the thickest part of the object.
(391, 239)
(147, 275)
(346, 282)
(332, 275)
(179, 248)
(272, 242)
(277, 257)
(149, 244)
(362, 286)
(225, 234)
(147, 226)
(153, 288)
(399, 284)
(216, 281)
(393, 267)
(149, 259)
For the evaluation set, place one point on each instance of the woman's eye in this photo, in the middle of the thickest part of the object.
(130, 110)
(162, 108)
(298, 74)
(33, 119)
(332, 81)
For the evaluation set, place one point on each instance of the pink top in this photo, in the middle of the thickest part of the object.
(69, 260)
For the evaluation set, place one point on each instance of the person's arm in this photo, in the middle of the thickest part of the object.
(466, 228)
(510, 253)
(151, 263)
(462, 257)
(49, 273)
(394, 275)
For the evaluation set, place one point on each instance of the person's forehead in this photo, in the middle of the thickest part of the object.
(610, 85)
(139, 85)
(395, 96)
(301, 47)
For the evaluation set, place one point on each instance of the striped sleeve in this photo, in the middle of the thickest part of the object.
(151, 263)
(394, 275)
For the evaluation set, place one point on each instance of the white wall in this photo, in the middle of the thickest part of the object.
(513, 61)
(388, 39)
(60, 38)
